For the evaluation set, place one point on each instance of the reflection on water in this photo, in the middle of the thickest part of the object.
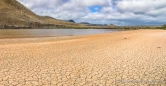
(17, 33)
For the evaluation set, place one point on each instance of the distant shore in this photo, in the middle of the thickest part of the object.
(79, 27)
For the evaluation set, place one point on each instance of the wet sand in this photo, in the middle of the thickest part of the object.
(126, 58)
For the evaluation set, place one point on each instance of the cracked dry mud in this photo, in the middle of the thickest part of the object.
(127, 58)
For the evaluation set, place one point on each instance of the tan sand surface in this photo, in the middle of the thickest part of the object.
(126, 58)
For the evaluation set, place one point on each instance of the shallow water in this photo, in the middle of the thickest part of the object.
(19, 33)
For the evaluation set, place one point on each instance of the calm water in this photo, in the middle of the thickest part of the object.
(15, 33)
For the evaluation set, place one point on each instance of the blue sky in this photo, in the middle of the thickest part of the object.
(118, 12)
(94, 9)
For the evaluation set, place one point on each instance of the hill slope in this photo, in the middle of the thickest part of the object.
(12, 13)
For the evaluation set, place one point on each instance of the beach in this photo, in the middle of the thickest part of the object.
(124, 58)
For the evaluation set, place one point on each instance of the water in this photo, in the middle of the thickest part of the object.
(19, 33)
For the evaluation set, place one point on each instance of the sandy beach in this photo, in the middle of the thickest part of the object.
(125, 58)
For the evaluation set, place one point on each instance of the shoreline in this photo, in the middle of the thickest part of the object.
(38, 33)
(32, 39)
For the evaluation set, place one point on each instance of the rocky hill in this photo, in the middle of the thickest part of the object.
(15, 15)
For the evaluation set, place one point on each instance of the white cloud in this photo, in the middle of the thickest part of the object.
(120, 12)
(91, 2)
(140, 6)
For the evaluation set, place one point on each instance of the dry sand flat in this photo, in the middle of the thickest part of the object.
(127, 58)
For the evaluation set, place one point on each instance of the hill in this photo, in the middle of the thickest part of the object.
(14, 14)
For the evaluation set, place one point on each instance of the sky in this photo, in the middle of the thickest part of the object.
(118, 12)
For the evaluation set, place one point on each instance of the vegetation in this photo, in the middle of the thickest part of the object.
(164, 27)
